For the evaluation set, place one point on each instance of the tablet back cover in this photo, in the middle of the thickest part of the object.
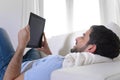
(37, 24)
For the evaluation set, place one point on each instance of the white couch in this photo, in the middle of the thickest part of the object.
(102, 71)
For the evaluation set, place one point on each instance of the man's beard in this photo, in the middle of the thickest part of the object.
(75, 50)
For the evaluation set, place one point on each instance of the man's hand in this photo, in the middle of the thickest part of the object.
(45, 48)
(23, 37)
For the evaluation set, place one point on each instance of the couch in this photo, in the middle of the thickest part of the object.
(102, 71)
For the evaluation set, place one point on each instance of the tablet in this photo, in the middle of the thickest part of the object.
(36, 24)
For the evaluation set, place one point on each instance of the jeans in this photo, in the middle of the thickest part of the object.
(7, 51)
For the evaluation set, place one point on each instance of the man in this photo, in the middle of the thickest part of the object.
(97, 42)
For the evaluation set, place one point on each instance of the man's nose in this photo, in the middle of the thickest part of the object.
(77, 38)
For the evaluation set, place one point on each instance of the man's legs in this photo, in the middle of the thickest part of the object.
(32, 54)
(6, 51)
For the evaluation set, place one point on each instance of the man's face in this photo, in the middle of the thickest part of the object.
(81, 42)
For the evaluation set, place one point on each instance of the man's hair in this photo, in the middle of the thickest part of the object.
(106, 41)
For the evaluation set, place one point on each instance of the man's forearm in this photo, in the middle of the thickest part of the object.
(14, 67)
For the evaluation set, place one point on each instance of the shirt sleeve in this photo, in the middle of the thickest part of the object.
(43, 68)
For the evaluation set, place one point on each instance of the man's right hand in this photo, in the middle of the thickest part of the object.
(23, 37)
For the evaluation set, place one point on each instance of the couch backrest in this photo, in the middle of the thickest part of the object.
(62, 44)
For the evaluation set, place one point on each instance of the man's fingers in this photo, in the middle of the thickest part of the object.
(27, 28)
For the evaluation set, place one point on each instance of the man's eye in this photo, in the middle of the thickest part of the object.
(84, 34)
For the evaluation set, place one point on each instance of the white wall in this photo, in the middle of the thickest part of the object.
(10, 18)
(110, 11)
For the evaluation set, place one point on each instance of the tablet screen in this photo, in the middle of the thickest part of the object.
(37, 24)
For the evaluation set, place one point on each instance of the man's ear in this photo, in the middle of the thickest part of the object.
(91, 48)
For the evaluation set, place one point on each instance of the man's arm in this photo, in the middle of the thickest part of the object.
(14, 68)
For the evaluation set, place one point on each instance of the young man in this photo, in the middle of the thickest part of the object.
(98, 44)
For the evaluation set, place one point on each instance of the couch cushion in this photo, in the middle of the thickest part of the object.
(101, 71)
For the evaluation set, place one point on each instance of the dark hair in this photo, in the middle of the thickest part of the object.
(107, 42)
